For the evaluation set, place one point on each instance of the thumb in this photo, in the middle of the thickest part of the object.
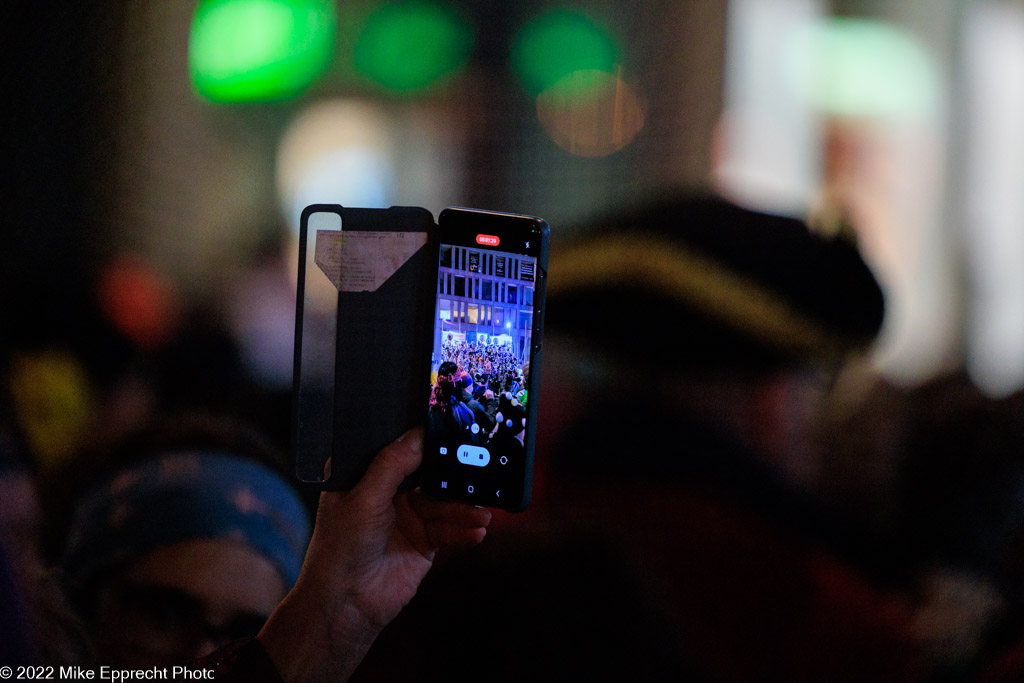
(394, 463)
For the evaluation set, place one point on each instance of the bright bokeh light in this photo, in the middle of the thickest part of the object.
(862, 67)
(409, 47)
(591, 113)
(259, 50)
(766, 152)
(53, 397)
(557, 43)
(140, 303)
(994, 204)
(335, 152)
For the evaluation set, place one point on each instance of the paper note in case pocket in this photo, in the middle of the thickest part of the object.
(361, 261)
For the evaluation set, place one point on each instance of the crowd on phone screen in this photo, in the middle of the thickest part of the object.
(479, 394)
(494, 364)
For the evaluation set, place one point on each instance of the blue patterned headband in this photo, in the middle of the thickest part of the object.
(187, 496)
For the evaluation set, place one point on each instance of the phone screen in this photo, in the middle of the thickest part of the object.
(484, 364)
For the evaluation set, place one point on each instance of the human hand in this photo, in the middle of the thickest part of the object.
(369, 552)
(376, 546)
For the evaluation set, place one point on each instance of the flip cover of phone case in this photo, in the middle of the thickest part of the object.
(363, 320)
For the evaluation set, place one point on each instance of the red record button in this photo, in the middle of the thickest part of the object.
(489, 240)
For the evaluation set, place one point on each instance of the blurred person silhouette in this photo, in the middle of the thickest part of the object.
(961, 521)
(144, 349)
(36, 624)
(674, 534)
(183, 537)
(934, 472)
(864, 437)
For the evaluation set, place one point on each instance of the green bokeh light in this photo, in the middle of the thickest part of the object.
(557, 43)
(862, 67)
(259, 50)
(409, 47)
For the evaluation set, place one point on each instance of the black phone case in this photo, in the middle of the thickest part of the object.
(382, 356)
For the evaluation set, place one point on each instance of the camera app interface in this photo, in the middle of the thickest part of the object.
(480, 368)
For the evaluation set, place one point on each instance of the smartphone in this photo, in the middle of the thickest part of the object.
(485, 362)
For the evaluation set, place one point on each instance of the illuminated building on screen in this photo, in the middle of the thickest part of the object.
(485, 296)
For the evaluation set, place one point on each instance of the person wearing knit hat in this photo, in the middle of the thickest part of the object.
(179, 546)
(699, 339)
